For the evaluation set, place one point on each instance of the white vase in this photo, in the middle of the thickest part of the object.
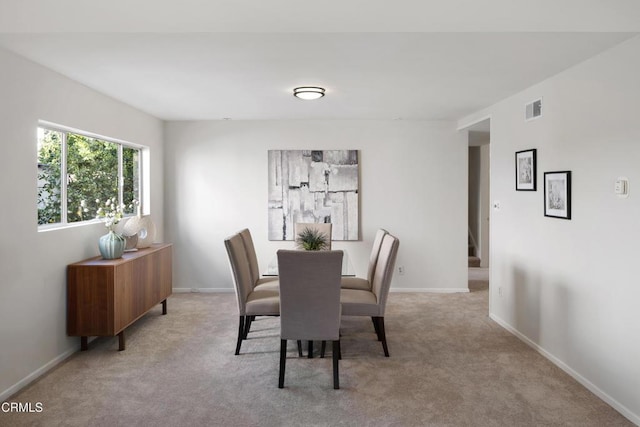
(144, 227)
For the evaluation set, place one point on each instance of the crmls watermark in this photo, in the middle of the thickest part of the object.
(21, 407)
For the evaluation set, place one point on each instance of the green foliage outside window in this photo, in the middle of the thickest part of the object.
(130, 174)
(91, 176)
(49, 157)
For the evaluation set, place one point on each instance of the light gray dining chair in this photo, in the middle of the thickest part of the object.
(309, 301)
(262, 283)
(372, 303)
(364, 284)
(270, 283)
(252, 301)
(322, 227)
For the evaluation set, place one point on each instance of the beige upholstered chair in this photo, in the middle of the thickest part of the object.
(356, 302)
(252, 301)
(270, 283)
(361, 283)
(262, 283)
(324, 228)
(310, 301)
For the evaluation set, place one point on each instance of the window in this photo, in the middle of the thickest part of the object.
(95, 169)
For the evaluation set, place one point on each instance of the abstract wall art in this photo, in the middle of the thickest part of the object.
(313, 186)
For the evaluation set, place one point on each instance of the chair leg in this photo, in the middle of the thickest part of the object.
(323, 347)
(383, 336)
(247, 325)
(336, 352)
(283, 359)
(310, 354)
(240, 335)
(376, 326)
(299, 348)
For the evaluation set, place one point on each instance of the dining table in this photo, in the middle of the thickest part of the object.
(347, 267)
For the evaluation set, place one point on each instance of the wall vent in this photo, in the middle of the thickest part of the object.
(533, 110)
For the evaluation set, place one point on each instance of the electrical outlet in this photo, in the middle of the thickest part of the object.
(401, 270)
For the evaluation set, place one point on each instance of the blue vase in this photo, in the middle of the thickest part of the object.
(111, 245)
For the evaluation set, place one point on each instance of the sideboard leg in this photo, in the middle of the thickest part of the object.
(121, 341)
(164, 307)
(84, 343)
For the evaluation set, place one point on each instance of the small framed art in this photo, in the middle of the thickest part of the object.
(526, 170)
(557, 194)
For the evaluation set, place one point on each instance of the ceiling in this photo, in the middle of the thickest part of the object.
(422, 60)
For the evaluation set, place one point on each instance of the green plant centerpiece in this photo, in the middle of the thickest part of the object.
(311, 239)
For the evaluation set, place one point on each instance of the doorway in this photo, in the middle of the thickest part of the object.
(479, 204)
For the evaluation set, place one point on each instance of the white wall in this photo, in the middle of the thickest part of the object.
(571, 288)
(413, 183)
(32, 264)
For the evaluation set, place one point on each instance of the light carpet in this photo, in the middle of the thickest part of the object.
(450, 365)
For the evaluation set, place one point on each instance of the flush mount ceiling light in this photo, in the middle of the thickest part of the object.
(308, 92)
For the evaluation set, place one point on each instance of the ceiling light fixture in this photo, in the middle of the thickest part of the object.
(308, 92)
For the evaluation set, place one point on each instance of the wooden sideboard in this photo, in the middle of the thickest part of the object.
(106, 296)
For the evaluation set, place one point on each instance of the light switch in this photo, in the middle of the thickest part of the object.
(621, 187)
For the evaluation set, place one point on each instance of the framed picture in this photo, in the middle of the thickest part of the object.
(557, 194)
(526, 170)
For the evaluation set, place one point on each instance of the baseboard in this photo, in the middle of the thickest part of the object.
(202, 290)
(228, 290)
(431, 290)
(634, 418)
(35, 375)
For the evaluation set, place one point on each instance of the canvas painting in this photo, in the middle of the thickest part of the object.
(313, 186)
